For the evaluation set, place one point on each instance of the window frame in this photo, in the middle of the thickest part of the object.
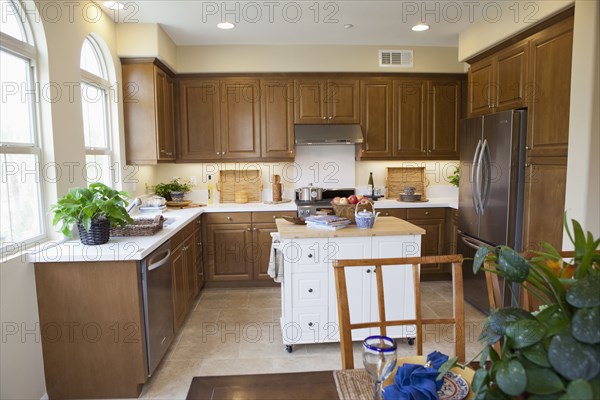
(103, 84)
(27, 51)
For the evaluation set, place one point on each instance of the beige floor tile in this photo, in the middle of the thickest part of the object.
(172, 380)
(264, 299)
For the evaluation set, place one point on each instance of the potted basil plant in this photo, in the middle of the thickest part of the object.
(94, 210)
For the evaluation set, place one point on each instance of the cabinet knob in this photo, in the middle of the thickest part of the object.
(218, 152)
(324, 118)
(527, 165)
(229, 218)
(526, 147)
(387, 214)
(330, 117)
(169, 154)
(310, 324)
(368, 271)
(255, 229)
(310, 256)
(310, 290)
(223, 152)
(199, 243)
(162, 151)
(426, 212)
(248, 229)
(274, 217)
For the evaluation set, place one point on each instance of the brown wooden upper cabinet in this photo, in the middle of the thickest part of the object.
(424, 114)
(148, 111)
(277, 118)
(376, 117)
(240, 119)
(499, 82)
(320, 101)
(550, 76)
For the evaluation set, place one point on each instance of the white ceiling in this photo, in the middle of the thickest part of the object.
(191, 22)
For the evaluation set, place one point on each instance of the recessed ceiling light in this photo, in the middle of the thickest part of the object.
(420, 27)
(348, 26)
(225, 25)
(114, 5)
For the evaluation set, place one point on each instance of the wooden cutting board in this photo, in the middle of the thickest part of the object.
(190, 205)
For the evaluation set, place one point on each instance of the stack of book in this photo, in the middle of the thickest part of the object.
(328, 222)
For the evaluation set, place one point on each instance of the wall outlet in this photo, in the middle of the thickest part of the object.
(193, 180)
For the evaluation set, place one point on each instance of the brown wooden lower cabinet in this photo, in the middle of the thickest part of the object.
(186, 270)
(433, 242)
(545, 188)
(238, 246)
(92, 329)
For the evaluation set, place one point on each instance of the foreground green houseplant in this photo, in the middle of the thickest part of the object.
(553, 353)
(93, 209)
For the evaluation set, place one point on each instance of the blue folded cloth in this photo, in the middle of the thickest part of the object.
(415, 382)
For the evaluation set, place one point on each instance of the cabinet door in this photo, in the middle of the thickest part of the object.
(309, 102)
(393, 212)
(481, 87)
(200, 131)
(261, 243)
(179, 297)
(376, 118)
(198, 259)
(277, 118)
(358, 282)
(443, 120)
(191, 275)
(342, 101)
(139, 112)
(410, 116)
(240, 119)
(550, 75)
(511, 76)
(230, 252)
(165, 112)
(545, 187)
(432, 242)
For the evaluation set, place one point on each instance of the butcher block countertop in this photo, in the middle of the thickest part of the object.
(384, 226)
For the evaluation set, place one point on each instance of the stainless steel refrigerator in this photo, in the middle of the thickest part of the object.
(490, 206)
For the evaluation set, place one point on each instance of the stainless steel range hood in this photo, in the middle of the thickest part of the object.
(327, 134)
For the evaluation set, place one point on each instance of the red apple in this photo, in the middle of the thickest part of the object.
(336, 200)
(364, 200)
(352, 199)
(343, 200)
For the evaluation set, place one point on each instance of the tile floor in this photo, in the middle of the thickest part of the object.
(237, 331)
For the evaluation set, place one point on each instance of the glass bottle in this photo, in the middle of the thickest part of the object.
(371, 186)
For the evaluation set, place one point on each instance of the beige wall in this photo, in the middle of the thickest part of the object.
(512, 19)
(146, 40)
(583, 167)
(21, 368)
(299, 58)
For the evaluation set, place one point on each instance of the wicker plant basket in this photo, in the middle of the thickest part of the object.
(347, 210)
(99, 233)
(140, 227)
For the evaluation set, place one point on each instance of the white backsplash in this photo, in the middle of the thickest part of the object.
(325, 166)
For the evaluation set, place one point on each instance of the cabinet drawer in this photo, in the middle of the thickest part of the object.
(309, 290)
(271, 216)
(393, 212)
(420, 213)
(309, 324)
(183, 234)
(229, 218)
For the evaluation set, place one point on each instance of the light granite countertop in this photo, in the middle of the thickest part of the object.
(384, 226)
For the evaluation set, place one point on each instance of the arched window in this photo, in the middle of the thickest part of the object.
(21, 213)
(95, 100)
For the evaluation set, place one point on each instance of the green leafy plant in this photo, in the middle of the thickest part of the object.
(165, 189)
(553, 353)
(454, 179)
(86, 205)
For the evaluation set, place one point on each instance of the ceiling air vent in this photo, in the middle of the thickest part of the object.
(396, 58)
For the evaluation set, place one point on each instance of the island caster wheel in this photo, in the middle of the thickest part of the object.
(411, 341)
(288, 348)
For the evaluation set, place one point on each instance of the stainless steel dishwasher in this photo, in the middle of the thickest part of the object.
(157, 290)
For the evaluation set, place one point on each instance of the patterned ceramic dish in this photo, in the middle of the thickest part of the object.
(455, 387)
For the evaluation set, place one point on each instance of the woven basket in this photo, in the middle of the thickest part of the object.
(140, 227)
(348, 210)
(99, 233)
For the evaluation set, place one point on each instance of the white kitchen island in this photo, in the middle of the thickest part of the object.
(308, 295)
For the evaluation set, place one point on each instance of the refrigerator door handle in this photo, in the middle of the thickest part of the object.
(484, 194)
(470, 243)
(474, 183)
(478, 176)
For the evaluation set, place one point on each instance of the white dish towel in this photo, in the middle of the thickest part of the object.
(275, 259)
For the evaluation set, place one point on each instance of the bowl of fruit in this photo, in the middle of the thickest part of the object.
(346, 206)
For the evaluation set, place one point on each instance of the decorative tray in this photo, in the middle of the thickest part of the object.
(140, 227)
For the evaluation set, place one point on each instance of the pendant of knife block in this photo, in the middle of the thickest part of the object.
(277, 188)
